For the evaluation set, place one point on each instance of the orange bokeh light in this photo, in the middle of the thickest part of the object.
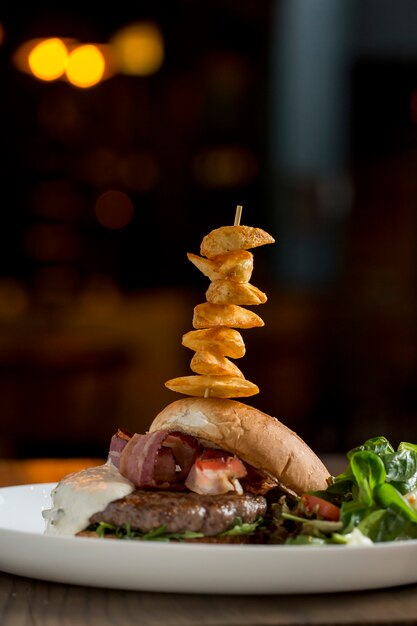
(86, 66)
(138, 49)
(48, 59)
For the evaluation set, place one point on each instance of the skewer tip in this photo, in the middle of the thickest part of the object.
(238, 215)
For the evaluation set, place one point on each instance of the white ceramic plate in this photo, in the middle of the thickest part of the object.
(189, 568)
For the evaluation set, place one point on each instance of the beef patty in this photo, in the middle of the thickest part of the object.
(181, 511)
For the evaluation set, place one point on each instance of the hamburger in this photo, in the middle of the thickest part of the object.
(207, 470)
(210, 466)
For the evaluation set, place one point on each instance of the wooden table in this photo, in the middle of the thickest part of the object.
(24, 601)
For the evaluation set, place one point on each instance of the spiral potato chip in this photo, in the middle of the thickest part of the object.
(228, 238)
(220, 339)
(236, 265)
(216, 386)
(210, 363)
(224, 291)
(207, 315)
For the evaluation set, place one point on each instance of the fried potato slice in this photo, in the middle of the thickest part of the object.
(211, 363)
(213, 386)
(228, 238)
(207, 315)
(224, 291)
(219, 339)
(236, 265)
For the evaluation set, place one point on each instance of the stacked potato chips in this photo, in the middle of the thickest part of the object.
(225, 260)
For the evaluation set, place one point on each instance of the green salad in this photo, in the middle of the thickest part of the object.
(373, 500)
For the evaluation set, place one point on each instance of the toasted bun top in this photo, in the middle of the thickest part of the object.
(258, 439)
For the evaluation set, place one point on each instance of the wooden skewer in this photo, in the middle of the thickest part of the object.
(238, 215)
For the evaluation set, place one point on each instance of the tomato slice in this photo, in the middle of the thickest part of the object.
(321, 507)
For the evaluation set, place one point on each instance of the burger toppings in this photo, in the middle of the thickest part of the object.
(216, 472)
(158, 459)
(172, 459)
(184, 449)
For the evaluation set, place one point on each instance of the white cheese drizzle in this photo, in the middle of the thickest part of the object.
(81, 494)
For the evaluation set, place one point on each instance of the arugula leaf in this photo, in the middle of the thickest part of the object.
(161, 534)
(126, 532)
(102, 529)
(241, 528)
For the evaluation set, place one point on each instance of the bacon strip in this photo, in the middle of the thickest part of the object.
(151, 460)
(117, 444)
(165, 469)
(184, 448)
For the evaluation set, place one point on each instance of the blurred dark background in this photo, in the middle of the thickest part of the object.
(303, 112)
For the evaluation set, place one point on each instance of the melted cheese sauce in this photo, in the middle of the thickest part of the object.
(81, 494)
